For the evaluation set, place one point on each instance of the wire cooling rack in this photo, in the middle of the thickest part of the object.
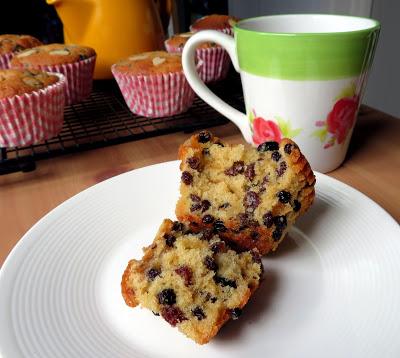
(104, 119)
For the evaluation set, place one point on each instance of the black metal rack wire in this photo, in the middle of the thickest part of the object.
(104, 119)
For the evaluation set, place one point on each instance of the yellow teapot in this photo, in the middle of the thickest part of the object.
(114, 28)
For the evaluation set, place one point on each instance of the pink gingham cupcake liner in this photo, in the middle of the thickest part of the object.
(79, 78)
(215, 62)
(5, 59)
(32, 117)
(172, 49)
(156, 95)
(226, 30)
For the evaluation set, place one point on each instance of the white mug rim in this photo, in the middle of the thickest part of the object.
(368, 24)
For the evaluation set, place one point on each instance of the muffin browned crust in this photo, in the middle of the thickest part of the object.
(214, 22)
(53, 54)
(16, 43)
(249, 196)
(179, 40)
(147, 63)
(194, 281)
(18, 82)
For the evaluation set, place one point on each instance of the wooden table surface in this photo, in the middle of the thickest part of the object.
(372, 166)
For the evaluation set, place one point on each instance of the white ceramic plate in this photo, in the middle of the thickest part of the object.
(331, 290)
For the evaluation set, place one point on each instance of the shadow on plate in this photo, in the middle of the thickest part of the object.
(263, 299)
(306, 225)
(256, 309)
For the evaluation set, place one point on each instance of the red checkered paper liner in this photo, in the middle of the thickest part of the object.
(5, 59)
(156, 95)
(79, 78)
(32, 117)
(215, 62)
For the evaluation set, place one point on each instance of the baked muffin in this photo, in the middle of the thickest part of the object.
(11, 44)
(75, 62)
(223, 23)
(31, 106)
(250, 196)
(215, 60)
(18, 82)
(194, 281)
(153, 84)
(176, 42)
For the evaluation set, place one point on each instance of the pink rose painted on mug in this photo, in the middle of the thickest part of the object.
(273, 129)
(264, 130)
(340, 119)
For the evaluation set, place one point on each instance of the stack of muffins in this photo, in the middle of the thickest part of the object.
(153, 83)
(36, 82)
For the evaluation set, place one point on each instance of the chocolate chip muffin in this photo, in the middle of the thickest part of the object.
(250, 196)
(18, 82)
(11, 44)
(194, 281)
(53, 54)
(75, 62)
(223, 23)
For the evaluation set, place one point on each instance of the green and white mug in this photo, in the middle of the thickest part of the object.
(303, 77)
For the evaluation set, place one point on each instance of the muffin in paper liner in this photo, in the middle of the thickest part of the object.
(32, 117)
(215, 61)
(155, 95)
(5, 59)
(12, 44)
(215, 24)
(78, 75)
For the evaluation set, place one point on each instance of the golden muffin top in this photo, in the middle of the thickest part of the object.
(147, 63)
(179, 40)
(15, 43)
(214, 22)
(52, 54)
(18, 82)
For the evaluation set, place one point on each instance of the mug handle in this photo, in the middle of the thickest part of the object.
(189, 68)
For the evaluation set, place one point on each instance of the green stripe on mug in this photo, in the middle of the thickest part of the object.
(305, 56)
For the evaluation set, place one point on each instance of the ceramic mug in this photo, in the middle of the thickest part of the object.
(303, 77)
